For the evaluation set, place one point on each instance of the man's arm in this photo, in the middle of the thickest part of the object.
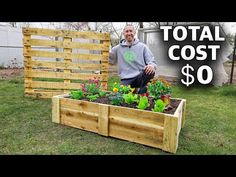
(150, 61)
(113, 55)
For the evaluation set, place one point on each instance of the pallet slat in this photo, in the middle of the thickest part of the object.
(44, 93)
(64, 65)
(51, 85)
(67, 33)
(46, 54)
(63, 44)
(61, 75)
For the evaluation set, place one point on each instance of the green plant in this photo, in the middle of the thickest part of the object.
(123, 89)
(92, 86)
(130, 98)
(143, 103)
(116, 99)
(92, 97)
(159, 87)
(159, 106)
(102, 93)
(77, 94)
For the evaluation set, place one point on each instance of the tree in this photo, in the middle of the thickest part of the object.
(230, 38)
(78, 26)
(13, 24)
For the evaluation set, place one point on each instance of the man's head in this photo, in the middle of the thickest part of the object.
(129, 33)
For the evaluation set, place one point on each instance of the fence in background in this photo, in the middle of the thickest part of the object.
(49, 73)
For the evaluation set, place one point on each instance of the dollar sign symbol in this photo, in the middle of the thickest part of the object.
(187, 67)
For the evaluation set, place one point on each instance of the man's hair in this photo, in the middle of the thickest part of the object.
(127, 26)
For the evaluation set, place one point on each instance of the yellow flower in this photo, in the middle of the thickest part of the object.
(122, 86)
(115, 83)
(129, 86)
(115, 89)
(132, 90)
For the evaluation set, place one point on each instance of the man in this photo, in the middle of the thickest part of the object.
(136, 63)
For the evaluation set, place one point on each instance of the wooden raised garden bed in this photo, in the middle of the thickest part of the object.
(149, 128)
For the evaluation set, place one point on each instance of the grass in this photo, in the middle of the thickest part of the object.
(26, 127)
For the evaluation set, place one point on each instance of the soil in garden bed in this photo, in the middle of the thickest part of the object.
(170, 110)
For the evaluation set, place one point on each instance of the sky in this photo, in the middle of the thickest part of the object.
(229, 27)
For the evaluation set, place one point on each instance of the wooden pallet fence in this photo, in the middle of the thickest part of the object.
(149, 128)
(57, 61)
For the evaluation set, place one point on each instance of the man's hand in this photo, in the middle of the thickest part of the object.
(149, 69)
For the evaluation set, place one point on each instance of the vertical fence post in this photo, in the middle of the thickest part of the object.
(232, 68)
(68, 60)
(105, 65)
(27, 61)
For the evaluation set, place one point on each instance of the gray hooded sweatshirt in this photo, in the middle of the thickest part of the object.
(132, 59)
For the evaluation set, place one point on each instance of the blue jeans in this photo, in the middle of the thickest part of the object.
(139, 81)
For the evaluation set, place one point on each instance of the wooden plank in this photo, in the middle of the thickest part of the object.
(103, 119)
(50, 85)
(55, 109)
(79, 114)
(64, 65)
(64, 44)
(136, 124)
(170, 137)
(44, 93)
(61, 75)
(67, 33)
(183, 113)
(136, 114)
(46, 54)
(79, 122)
(149, 138)
(80, 105)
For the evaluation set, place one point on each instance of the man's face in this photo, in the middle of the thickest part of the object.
(129, 33)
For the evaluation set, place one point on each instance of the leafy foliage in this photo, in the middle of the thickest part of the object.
(143, 103)
(116, 99)
(77, 94)
(92, 97)
(159, 87)
(92, 86)
(159, 106)
(130, 98)
(102, 93)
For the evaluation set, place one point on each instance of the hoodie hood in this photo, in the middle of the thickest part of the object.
(124, 43)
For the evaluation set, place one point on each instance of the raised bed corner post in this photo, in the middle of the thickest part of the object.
(103, 120)
(183, 113)
(170, 136)
(27, 61)
(56, 109)
(68, 59)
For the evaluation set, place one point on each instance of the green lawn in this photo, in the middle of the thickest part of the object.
(26, 127)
